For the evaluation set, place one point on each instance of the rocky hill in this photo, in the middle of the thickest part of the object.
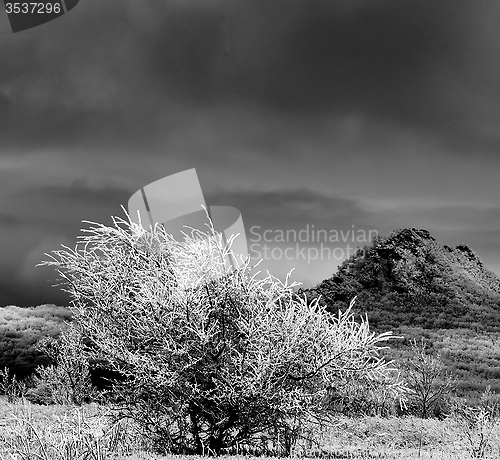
(409, 279)
(409, 284)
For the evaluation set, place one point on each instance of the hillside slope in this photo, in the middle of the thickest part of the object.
(409, 284)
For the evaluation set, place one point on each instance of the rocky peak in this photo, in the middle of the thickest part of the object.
(469, 253)
(408, 278)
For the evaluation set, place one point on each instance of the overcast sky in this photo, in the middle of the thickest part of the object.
(355, 114)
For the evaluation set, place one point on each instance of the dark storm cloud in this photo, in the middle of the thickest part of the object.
(369, 99)
(7, 220)
(115, 70)
(282, 209)
(37, 220)
(295, 208)
(57, 206)
(429, 65)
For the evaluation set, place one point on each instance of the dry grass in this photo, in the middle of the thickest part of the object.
(401, 438)
(31, 432)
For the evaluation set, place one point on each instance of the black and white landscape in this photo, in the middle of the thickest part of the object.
(359, 139)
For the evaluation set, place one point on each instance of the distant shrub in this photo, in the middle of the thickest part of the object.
(429, 381)
(11, 387)
(360, 399)
(68, 380)
(41, 394)
(478, 423)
